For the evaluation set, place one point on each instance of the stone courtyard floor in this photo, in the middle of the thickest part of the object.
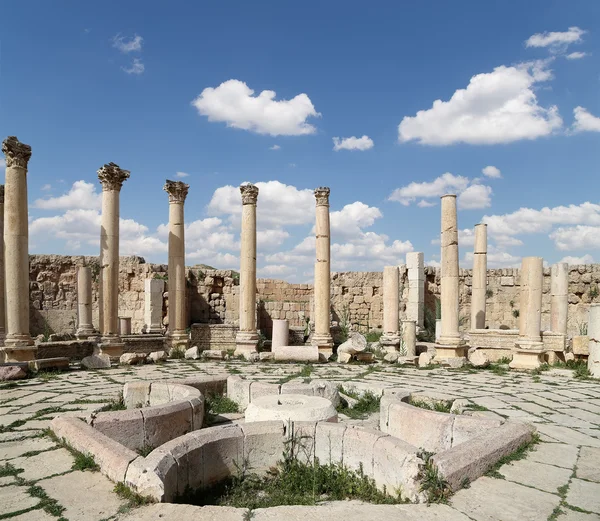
(558, 480)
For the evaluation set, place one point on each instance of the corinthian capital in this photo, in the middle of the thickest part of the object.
(322, 196)
(112, 176)
(249, 193)
(177, 191)
(17, 153)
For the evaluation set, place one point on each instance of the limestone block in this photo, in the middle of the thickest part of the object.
(358, 448)
(136, 394)
(259, 389)
(193, 353)
(479, 359)
(290, 407)
(158, 356)
(344, 358)
(238, 390)
(214, 354)
(427, 429)
(297, 388)
(154, 476)
(357, 343)
(222, 452)
(165, 422)
(326, 389)
(424, 359)
(263, 444)
(13, 372)
(392, 357)
(266, 356)
(132, 358)
(297, 354)
(507, 281)
(465, 428)
(328, 442)
(50, 364)
(126, 427)
(96, 361)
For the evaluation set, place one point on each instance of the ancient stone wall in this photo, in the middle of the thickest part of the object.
(213, 296)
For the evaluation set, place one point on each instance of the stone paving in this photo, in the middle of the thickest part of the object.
(559, 480)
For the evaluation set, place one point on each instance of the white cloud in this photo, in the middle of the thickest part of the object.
(496, 107)
(81, 195)
(585, 259)
(233, 103)
(475, 197)
(46, 187)
(274, 147)
(584, 121)
(127, 45)
(352, 143)
(137, 67)
(446, 183)
(576, 55)
(349, 221)
(275, 270)
(556, 40)
(496, 258)
(492, 171)
(181, 174)
(425, 204)
(267, 239)
(580, 237)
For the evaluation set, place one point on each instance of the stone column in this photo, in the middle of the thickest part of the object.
(529, 352)
(559, 290)
(479, 287)
(594, 335)
(415, 308)
(450, 344)
(390, 339)
(281, 334)
(18, 344)
(85, 328)
(177, 191)
(153, 306)
(111, 177)
(246, 341)
(322, 335)
(409, 337)
(2, 292)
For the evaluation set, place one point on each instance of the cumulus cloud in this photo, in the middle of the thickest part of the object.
(234, 103)
(136, 67)
(349, 221)
(496, 107)
(46, 187)
(81, 195)
(274, 147)
(475, 197)
(576, 55)
(127, 44)
(352, 143)
(446, 183)
(584, 121)
(580, 237)
(182, 174)
(556, 40)
(425, 204)
(492, 171)
(585, 259)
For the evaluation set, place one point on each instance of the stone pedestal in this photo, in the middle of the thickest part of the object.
(559, 291)
(2, 291)
(85, 328)
(390, 340)
(479, 287)
(153, 306)
(415, 307)
(594, 340)
(112, 177)
(409, 337)
(450, 343)
(18, 344)
(322, 335)
(178, 336)
(281, 334)
(124, 326)
(246, 341)
(529, 344)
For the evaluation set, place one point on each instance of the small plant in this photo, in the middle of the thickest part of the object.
(118, 404)
(345, 323)
(261, 341)
(373, 336)
(583, 328)
(489, 293)
(515, 313)
(511, 303)
(517, 455)
(367, 404)
(84, 461)
(434, 405)
(145, 450)
(593, 291)
(216, 404)
(436, 488)
(177, 353)
(161, 276)
(134, 499)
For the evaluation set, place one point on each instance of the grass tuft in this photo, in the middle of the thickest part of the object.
(134, 499)
(367, 404)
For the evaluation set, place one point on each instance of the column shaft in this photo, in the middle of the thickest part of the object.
(530, 313)
(415, 308)
(479, 286)
(409, 337)
(559, 289)
(391, 308)
(153, 305)
(2, 273)
(85, 327)
(594, 335)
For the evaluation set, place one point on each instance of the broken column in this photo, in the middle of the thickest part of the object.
(85, 328)
(322, 291)
(594, 336)
(112, 177)
(153, 306)
(246, 340)
(415, 308)
(18, 344)
(390, 340)
(2, 292)
(479, 287)
(528, 347)
(281, 334)
(177, 191)
(450, 344)
(409, 337)
(559, 290)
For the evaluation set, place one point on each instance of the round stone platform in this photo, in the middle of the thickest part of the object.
(294, 407)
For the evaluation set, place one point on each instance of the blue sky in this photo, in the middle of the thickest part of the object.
(166, 88)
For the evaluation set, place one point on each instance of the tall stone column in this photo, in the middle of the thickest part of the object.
(153, 306)
(2, 291)
(479, 287)
(450, 344)
(111, 177)
(390, 339)
(415, 308)
(529, 347)
(322, 334)
(177, 191)
(594, 335)
(409, 337)
(85, 328)
(18, 344)
(559, 304)
(246, 341)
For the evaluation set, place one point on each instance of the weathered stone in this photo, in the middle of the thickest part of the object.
(14, 372)
(391, 357)
(344, 358)
(132, 358)
(158, 356)
(214, 354)
(479, 359)
(424, 359)
(96, 361)
(193, 353)
(357, 343)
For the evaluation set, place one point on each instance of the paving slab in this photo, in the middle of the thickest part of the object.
(14, 449)
(572, 515)
(167, 511)
(585, 495)
(588, 464)
(34, 515)
(15, 499)
(536, 475)
(44, 464)
(559, 454)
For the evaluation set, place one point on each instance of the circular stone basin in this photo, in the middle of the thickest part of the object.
(294, 407)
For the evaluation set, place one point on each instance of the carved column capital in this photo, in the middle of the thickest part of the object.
(322, 195)
(177, 191)
(249, 193)
(17, 153)
(112, 177)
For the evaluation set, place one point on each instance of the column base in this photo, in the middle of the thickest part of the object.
(525, 359)
(152, 330)
(16, 341)
(24, 353)
(179, 340)
(85, 332)
(246, 342)
(325, 345)
(390, 343)
(444, 352)
(112, 346)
